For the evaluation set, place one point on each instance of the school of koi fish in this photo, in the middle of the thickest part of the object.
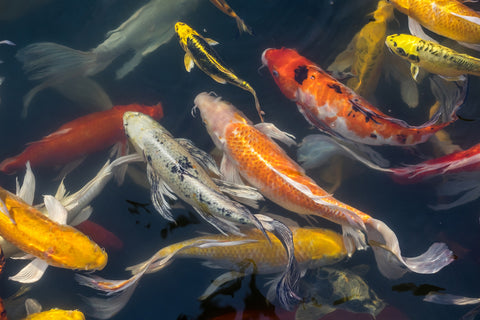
(339, 214)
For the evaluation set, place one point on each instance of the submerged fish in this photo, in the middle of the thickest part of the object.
(78, 138)
(34, 312)
(198, 51)
(223, 6)
(432, 57)
(251, 153)
(334, 108)
(239, 254)
(449, 18)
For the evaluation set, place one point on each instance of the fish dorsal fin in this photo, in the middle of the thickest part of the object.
(202, 157)
(188, 62)
(273, 132)
(32, 306)
(32, 272)
(27, 191)
(56, 212)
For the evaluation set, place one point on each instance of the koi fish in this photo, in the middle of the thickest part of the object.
(3, 312)
(313, 248)
(432, 57)
(58, 314)
(198, 51)
(100, 235)
(364, 54)
(77, 138)
(223, 6)
(49, 240)
(143, 32)
(334, 108)
(249, 152)
(448, 18)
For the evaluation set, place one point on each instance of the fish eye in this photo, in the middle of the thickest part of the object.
(275, 73)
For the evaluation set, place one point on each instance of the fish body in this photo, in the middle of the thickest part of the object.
(57, 244)
(333, 107)
(199, 52)
(223, 6)
(254, 156)
(432, 57)
(77, 138)
(56, 314)
(449, 18)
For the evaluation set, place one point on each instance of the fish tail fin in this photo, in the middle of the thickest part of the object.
(450, 95)
(257, 103)
(392, 264)
(11, 165)
(287, 287)
(52, 63)
(242, 27)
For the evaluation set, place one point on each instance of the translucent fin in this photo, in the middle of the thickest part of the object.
(409, 92)
(229, 171)
(56, 212)
(85, 92)
(32, 306)
(463, 184)
(157, 192)
(4, 210)
(257, 103)
(392, 264)
(414, 69)
(223, 225)
(273, 132)
(445, 298)
(242, 193)
(32, 272)
(27, 191)
(82, 216)
(450, 95)
(188, 62)
(353, 239)
(211, 41)
(220, 281)
(106, 308)
(129, 65)
(416, 30)
(242, 27)
(202, 157)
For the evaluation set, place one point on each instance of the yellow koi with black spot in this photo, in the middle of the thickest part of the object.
(432, 57)
(198, 51)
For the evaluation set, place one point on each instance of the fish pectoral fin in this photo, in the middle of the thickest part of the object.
(242, 193)
(222, 225)
(219, 282)
(32, 272)
(273, 132)
(211, 42)
(218, 79)
(56, 211)
(27, 191)
(4, 210)
(202, 157)
(416, 30)
(32, 306)
(414, 69)
(188, 62)
(229, 171)
(82, 216)
(159, 189)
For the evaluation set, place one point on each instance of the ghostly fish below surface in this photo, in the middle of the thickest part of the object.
(49, 240)
(240, 254)
(143, 32)
(449, 18)
(198, 51)
(77, 138)
(334, 108)
(223, 6)
(251, 153)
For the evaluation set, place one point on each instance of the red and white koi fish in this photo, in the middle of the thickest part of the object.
(251, 153)
(78, 138)
(334, 108)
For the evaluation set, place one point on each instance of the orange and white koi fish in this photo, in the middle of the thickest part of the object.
(50, 240)
(449, 18)
(334, 108)
(313, 248)
(251, 153)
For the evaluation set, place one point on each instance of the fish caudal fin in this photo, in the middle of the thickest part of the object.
(392, 264)
(242, 27)
(450, 95)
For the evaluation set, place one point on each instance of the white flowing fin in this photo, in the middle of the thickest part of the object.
(159, 189)
(4, 210)
(82, 216)
(121, 166)
(450, 95)
(445, 298)
(220, 281)
(389, 259)
(223, 225)
(84, 92)
(464, 184)
(273, 132)
(417, 30)
(56, 212)
(32, 272)
(106, 308)
(27, 191)
(23, 256)
(229, 171)
(202, 157)
(61, 191)
(242, 193)
(32, 306)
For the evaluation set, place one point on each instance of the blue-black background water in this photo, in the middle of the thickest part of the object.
(319, 30)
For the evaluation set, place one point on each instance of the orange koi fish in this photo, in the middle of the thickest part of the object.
(333, 107)
(249, 152)
(50, 240)
(449, 18)
(77, 138)
(223, 6)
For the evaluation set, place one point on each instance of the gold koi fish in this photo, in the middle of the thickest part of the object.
(198, 51)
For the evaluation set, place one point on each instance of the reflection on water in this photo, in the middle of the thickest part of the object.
(319, 30)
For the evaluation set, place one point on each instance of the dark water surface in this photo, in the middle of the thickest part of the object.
(319, 30)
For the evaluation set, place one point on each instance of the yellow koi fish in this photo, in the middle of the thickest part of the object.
(364, 54)
(57, 314)
(223, 6)
(432, 57)
(313, 248)
(48, 239)
(198, 51)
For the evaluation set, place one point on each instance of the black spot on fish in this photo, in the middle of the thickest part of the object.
(301, 73)
(413, 58)
(394, 44)
(401, 52)
(401, 138)
(373, 135)
(369, 115)
(335, 87)
(149, 158)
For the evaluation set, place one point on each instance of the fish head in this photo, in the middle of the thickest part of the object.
(405, 46)
(287, 68)
(183, 31)
(401, 5)
(384, 11)
(217, 114)
(99, 259)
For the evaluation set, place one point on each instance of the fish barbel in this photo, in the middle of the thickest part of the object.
(252, 154)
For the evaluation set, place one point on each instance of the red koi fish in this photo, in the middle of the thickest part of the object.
(77, 138)
(100, 235)
(333, 107)
(249, 152)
